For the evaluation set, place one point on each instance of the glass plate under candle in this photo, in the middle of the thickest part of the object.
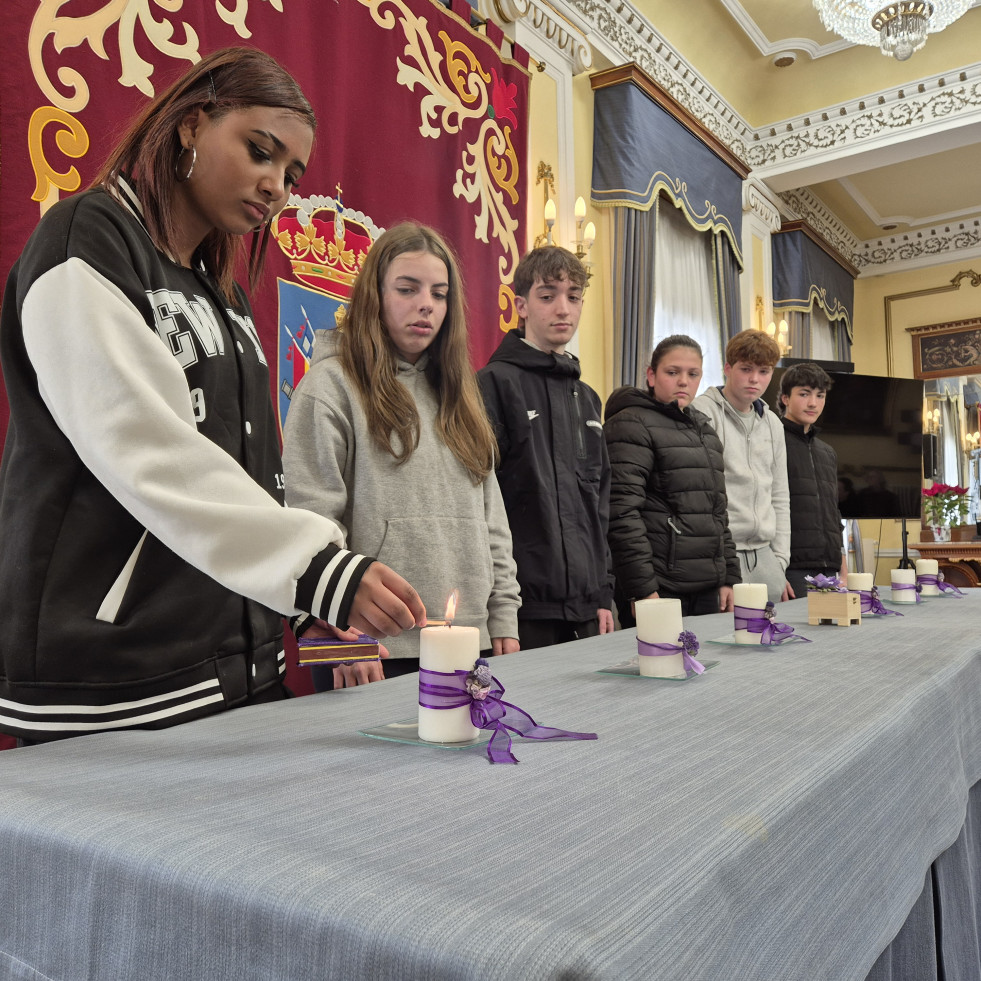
(631, 669)
(729, 640)
(407, 731)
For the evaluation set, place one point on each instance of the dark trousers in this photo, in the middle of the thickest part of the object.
(545, 633)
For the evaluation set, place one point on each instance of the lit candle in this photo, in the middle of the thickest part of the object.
(857, 581)
(659, 622)
(549, 219)
(589, 235)
(903, 577)
(928, 567)
(447, 649)
(580, 209)
(752, 596)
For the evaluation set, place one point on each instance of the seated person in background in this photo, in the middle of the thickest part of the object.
(553, 468)
(387, 435)
(812, 468)
(669, 533)
(756, 460)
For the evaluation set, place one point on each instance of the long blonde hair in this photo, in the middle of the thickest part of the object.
(370, 361)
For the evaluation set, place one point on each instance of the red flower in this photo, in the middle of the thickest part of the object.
(502, 100)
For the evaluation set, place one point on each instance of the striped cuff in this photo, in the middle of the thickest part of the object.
(301, 624)
(328, 586)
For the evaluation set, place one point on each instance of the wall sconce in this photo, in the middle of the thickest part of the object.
(972, 442)
(585, 230)
(780, 333)
(931, 421)
(545, 177)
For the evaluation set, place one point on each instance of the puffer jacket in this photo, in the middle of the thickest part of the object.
(815, 521)
(668, 518)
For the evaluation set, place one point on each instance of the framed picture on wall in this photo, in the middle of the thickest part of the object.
(943, 350)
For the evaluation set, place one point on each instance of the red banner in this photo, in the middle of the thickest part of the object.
(419, 115)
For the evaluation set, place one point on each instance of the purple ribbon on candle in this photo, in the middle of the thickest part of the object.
(928, 579)
(869, 602)
(448, 690)
(897, 586)
(763, 622)
(687, 645)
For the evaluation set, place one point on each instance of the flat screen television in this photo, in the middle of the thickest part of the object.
(875, 425)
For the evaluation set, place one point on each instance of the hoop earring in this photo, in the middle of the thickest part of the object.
(190, 170)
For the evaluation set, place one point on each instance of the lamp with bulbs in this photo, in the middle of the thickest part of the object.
(897, 29)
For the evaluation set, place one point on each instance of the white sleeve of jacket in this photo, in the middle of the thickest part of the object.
(505, 597)
(781, 492)
(123, 402)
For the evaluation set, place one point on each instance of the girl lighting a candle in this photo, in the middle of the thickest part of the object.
(387, 435)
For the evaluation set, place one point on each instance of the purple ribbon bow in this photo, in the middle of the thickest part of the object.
(446, 690)
(824, 583)
(928, 579)
(897, 586)
(869, 602)
(763, 622)
(687, 645)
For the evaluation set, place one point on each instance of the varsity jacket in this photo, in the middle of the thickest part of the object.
(756, 474)
(424, 517)
(555, 479)
(812, 467)
(147, 556)
(668, 523)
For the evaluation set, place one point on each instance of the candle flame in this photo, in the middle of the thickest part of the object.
(451, 606)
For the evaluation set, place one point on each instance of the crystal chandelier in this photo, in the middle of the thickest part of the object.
(898, 28)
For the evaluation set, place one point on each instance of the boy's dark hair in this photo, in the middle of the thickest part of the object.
(548, 263)
(753, 347)
(807, 375)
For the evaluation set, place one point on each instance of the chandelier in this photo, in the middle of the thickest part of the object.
(898, 28)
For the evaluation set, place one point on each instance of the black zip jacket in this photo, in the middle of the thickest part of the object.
(815, 521)
(555, 479)
(147, 558)
(669, 527)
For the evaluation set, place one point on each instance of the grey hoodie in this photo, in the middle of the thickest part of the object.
(424, 518)
(756, 474)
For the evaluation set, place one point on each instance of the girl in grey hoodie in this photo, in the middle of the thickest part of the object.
(387, 435)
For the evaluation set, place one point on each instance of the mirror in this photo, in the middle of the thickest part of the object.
(952, 440)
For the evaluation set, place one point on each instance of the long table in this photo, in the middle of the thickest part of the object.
(775, 818)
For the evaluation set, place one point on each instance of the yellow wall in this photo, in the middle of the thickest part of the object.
(886, 305)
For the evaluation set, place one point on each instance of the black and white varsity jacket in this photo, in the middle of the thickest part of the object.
(146, 557)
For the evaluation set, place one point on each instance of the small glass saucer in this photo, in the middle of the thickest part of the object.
(729, 640)
(407, 731)
(630, 669)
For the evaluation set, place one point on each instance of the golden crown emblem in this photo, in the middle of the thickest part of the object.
(325, 242)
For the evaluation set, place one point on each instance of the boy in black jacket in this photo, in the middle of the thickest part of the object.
(553, 468)
(812, 471)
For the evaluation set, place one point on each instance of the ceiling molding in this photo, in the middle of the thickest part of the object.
(813, 49)
(563, 33)
(880, 128)
(868, 209)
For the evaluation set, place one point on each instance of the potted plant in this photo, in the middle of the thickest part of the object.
(944, 505)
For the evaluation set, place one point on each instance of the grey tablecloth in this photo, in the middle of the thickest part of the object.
(773, 819)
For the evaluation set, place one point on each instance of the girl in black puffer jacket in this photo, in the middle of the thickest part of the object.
(669, 533)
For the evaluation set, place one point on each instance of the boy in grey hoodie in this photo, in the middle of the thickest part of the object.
(755, 456)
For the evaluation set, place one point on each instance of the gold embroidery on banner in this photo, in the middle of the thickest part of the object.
(71, 139)
(505, 302)
(69, 92)
(456, 90)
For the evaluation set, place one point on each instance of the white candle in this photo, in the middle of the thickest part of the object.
(928, 567)
(659, 622)
(751, 595)
(903, 577)
(859, 580)
(447, 649)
